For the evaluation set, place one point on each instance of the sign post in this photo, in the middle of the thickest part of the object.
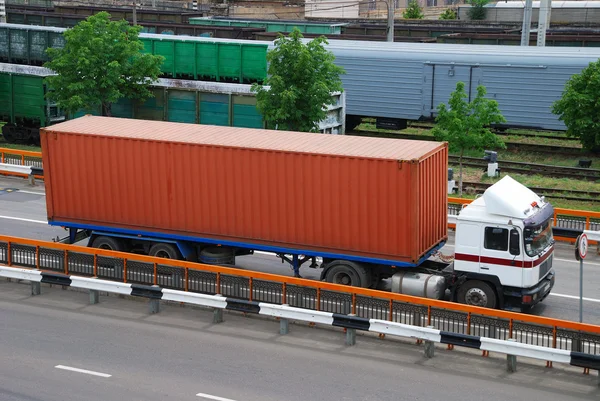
(581, 249)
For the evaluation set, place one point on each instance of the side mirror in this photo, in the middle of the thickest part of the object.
(514, 246)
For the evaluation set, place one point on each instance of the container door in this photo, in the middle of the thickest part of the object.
(439, 81)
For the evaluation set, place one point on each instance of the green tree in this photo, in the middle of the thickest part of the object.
(301, 79)
(413, 11)
(100, 63)
(448, 13)
(465, 125)
(477, 10)
(579, 107)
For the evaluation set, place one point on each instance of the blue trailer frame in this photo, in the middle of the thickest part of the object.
(183, 243)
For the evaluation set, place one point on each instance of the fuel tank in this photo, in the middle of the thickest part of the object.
(419, 284)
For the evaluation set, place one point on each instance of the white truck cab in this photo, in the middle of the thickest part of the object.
(504, 248)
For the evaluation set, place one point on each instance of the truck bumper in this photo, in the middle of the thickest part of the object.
(539, 292)
(522, 299)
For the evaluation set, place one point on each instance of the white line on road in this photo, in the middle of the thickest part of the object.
(87, 372)
(213, 397)
(576, 261)
(31, 192)
(574, 297)
(22, 219)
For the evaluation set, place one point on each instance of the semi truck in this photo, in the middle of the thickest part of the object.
(361, 209)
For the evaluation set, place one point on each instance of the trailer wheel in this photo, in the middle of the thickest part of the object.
(216, 255)
(166, 251)
(348, 273)
(108, 243)
(477, 293)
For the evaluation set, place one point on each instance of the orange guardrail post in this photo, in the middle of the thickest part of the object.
(155, 274)
(186, 283)
(218, 284)
(250, 289)
(95, 265)
(124, 270)
(37, 257)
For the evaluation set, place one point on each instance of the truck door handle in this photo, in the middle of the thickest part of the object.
(485, 268)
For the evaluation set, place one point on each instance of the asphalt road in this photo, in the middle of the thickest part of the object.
(56, 347)
(23, 214)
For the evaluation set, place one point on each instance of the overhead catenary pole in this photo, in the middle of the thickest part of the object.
(543, 21)
(525, 31)
(390, 20)
(134, 13)
(2, 11)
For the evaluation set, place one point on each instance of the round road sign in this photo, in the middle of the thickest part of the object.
(583, 245)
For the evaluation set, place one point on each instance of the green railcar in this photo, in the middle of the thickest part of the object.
(23, 103)
(186, 57)
(24, 44)
(220, 60)
(273, 26)
(197, 104)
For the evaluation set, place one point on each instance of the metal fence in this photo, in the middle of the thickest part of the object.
(301, 293)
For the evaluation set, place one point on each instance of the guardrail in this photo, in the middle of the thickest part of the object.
(284, 313)
(568, 223)
(12, 162)
(300, 293)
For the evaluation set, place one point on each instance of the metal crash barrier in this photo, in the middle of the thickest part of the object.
(61, 261)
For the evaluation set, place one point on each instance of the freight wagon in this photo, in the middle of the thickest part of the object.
(207, 59)
(369, 208)
(49, 18)
(563, 12)
(25, 109)
(576, 40)
(392, 82)
(273, 26)
(396, 82)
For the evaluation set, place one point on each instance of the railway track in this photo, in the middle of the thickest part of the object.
(584, 196)
(527, 147)
(532, 169)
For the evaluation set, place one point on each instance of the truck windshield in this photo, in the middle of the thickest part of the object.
(537, 238)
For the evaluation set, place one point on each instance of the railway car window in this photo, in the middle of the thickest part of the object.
(496, 239)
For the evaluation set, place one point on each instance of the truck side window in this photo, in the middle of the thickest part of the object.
(496, 239)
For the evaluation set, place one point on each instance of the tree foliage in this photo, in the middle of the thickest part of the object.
(301, 80)
(466, 125)
(100, 63)
(413, 11)
(477, 10)
(448, 13)
(579, 107)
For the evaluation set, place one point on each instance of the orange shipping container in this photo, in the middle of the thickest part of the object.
(372, 199)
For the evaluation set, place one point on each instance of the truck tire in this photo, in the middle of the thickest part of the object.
(108, 243)
(477, 293)
(216, 255)
(348, 273)
(166, 251)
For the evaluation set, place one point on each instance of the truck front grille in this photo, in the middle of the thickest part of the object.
(546, 266)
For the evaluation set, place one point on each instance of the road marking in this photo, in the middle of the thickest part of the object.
(576, 261)
(22, 219)
(87, 372)
(31, 192)
(574, 297)
(213, 397)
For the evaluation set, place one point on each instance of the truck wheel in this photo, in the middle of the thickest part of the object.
(166, 251)
(108, 243)
(216, 255)
(477, 293)
(348, 273)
